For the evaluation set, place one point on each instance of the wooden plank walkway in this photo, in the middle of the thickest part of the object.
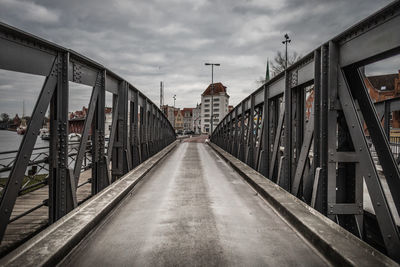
(25, 227)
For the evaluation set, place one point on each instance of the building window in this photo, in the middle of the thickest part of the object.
(206, 115)
(216, 109)
(216, 104)
(216, 99)
(207, 100)
(206, 105)
(207, 110)
(207, 120)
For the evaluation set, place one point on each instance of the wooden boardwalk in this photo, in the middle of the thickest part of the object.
(25, 227)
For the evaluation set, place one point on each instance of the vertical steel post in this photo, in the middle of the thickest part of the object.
(119, 163)
(321, 199)
(386, 122)
(99, 175)
(241, 142)
(250, 137)
(62, 195)
(265, 142)
(285, 181)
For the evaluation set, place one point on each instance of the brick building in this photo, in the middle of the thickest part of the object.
(382, 87)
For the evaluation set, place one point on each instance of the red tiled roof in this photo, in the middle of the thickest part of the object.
(383, 80)
(218, 88)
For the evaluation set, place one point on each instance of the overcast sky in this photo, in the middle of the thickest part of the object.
(170, 40)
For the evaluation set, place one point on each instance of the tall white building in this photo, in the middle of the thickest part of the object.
(217, 94)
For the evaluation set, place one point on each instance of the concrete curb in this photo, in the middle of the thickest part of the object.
(339, 246)
(55, 242)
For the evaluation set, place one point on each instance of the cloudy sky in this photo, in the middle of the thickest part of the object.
(170, 40)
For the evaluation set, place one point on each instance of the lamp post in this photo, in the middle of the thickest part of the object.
(174, 97)
(212, 92)
(285, 42)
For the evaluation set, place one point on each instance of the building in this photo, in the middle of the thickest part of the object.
(187, 119)
(217, 92)
(178, 125)
(230, 108)
(76, 121)
(196, 122)
(170, 113)
(382, 87)
(107, 122)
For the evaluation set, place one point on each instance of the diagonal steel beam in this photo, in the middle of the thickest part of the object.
(379, 139)
(10, 192)
(276, 143)
(384, 216)
(86, 129)
(305, 149)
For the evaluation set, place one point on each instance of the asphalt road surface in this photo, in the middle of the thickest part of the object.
(194, 210)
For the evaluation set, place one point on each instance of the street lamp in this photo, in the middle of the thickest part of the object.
(285, 42)
(212, 92)
(174, 97)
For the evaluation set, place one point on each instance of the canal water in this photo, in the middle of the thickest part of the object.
(11, 140)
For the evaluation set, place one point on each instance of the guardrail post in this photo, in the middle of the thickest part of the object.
(119, 163)
(265, 143)
(134, 130)
(286, 179)
(250, 137)
(62, 195)
(99, 169)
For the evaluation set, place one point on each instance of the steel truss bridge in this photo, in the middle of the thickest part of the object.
(158, 201)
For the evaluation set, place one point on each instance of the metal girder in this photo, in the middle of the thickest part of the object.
(286, 180)
(112, 135)
(389, 166)
(99, 162)
(119, 162)
(264, 140)
(16, 176)
(381, 207)
(380, 30)
(301, 164)
(17, 57)
(62, 197)
(250, 135)
(85, 133)
(276, 147)
(341, 156)
(26, 53)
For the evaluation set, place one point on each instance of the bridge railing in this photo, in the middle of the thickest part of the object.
(139, 128)
(305, 129)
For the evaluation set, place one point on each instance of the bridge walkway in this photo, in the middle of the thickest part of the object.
(194, 210)
(24, 228)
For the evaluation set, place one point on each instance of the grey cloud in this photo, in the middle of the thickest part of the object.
(148, 41)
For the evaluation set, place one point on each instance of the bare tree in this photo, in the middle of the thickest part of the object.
(278, 65)
(279, 62)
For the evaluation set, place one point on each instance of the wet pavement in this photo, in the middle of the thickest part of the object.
(194, 210)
